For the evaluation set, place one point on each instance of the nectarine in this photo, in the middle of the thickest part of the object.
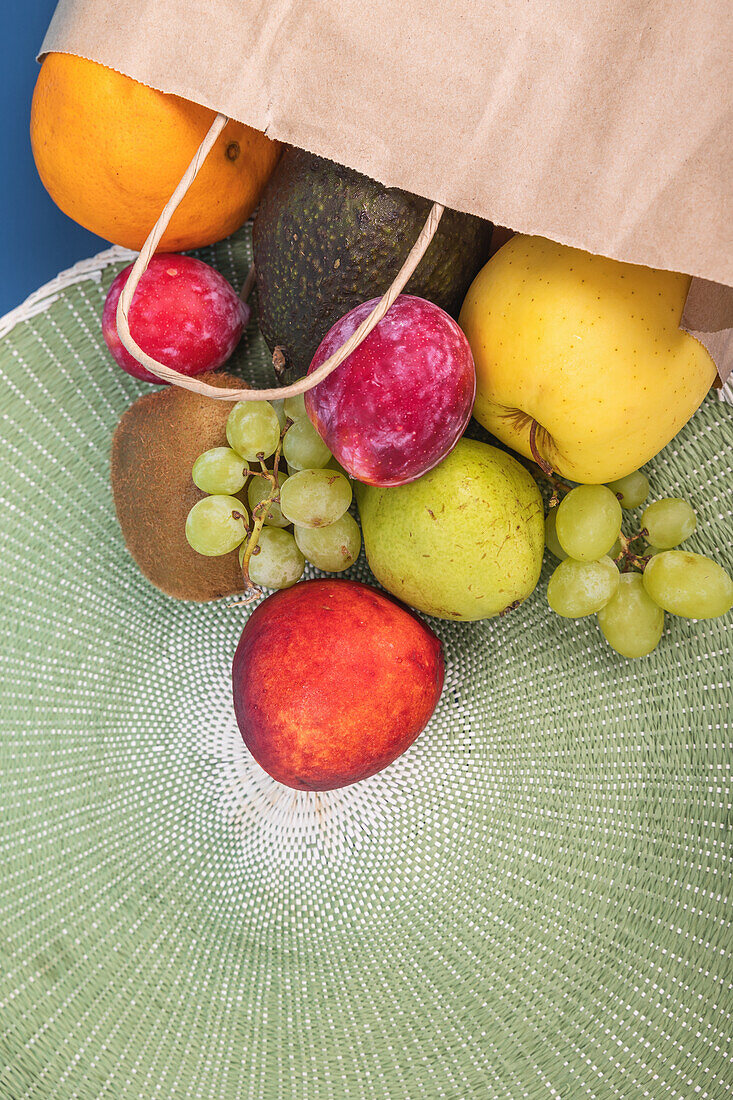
(332, 681)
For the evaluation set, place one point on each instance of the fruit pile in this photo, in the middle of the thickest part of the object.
(630, 581)
(576, 365)
(312, 497)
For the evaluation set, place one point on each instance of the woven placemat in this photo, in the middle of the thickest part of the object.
(533, 902)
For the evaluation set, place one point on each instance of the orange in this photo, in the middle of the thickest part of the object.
(110, 152)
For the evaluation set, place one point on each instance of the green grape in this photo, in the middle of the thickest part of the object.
(579, 588)
(303, 447)
(315, 498)
(588, 522)
(615, 550)
(295, 407)
(632, 490)
(216, 525)
(279, 407)
(688, 584)
(220, 470)
(333, 548)
(253, 429)
(631, 622)
(261, 487)
(334, 464)
(276, 561)
(551, 536)
(668, 522)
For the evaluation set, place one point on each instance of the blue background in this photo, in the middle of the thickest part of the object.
(36, 240)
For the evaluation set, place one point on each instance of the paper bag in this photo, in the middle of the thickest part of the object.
(605, 125)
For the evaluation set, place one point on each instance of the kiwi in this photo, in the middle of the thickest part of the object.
(153, 449)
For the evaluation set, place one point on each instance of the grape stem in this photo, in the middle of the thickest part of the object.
(627, 559)
(259, 514)
(557, 483)
(243, 517)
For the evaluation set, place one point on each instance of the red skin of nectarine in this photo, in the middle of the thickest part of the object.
(184, 314)
(332, 682)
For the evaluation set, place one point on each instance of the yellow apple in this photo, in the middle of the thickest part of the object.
(586, 349)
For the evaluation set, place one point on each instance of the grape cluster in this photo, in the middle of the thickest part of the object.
(629, 582)
(276, 519)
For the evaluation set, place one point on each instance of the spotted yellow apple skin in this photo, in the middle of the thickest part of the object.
(590, 348)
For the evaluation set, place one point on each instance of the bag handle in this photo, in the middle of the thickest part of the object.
(303, 384)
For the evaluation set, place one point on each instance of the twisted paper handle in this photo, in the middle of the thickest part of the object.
(168, 375)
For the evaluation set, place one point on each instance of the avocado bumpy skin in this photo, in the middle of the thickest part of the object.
(327, 238)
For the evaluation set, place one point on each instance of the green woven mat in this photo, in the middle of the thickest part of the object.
(533, 902)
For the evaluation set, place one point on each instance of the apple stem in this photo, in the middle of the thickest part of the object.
(542, 462)
(556, 482)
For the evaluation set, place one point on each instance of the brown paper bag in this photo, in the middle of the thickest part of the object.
(606, 125)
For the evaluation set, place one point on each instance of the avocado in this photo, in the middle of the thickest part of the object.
(326, 238)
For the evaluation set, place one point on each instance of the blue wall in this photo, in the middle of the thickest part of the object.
(36, 239)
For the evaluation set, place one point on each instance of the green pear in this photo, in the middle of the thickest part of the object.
(464, 541)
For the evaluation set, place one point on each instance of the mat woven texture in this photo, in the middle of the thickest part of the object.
(533, 902)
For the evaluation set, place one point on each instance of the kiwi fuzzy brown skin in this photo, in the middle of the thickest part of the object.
(154, 448)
